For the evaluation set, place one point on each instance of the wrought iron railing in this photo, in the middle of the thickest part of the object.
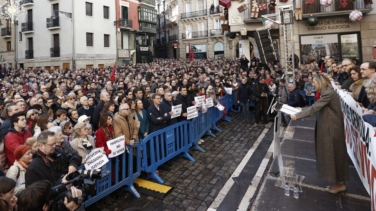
(27, 26)
(215, 32)
(194, 14)
(151, 2)
(28, 2)
(53, 22)
(124, 23)
(55, 52)
(195, 34)
(173, 37)
(215, 10)
(6, 32)
(29, 54)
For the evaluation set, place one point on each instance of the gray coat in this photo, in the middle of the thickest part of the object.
(331, 152)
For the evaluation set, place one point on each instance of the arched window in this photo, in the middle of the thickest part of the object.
(218, 50)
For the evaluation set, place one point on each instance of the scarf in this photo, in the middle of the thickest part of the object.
(22, 164)
(86, 144)
(47, 159)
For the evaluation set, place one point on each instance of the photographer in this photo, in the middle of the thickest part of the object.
(50, 163)
(38, 196)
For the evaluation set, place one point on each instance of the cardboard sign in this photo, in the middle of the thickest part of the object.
(209, 102)
(96, 159)
(192, 112)
(117, 146)
(199, 101)
(220, 107)
(176, 110)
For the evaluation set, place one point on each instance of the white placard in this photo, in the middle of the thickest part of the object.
(204, 109)
(228, 90)
(199, 101)
(220, 107)
(192, 112)
(95, 159)
(289, 110)
(117, 146)
(209, 102)
(176, 110)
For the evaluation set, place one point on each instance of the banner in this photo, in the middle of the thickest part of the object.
(192, 112)
(95, 159)
(360, 142)
(199, 101)
(117, 146)
(176, 110)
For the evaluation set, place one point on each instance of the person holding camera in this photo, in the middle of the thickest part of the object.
(39, 195)
(50, 163)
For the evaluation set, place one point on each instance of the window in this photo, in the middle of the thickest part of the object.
(106, 40)
(89, 39)
(9, 46)
(124, 12)
(106, 12)
(89, 9)
(201, 5)
(20, 36)
(147, 14)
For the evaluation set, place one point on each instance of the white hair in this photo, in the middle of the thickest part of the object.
(55, 129)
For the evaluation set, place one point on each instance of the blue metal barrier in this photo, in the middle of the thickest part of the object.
(122, 168)
(201, 126)
(165, 144)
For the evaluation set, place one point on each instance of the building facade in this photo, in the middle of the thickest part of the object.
(7, 45)
(65, 34)
(334, 35)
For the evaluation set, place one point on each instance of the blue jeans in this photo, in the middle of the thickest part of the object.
(245, 110)
(287, 118)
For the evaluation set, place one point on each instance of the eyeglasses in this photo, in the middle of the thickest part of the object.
(51, 145)
(125, 109)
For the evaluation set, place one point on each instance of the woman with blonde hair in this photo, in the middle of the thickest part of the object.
(71, 102)
(331, 153)
(82, 143)
(356, 87)
(210, 92)
(32, 143)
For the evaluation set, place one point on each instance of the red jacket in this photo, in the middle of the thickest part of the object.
(12, 140)
(102, 138)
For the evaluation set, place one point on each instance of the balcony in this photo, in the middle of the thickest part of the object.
(53, 22)
(152, 30)
(194, 35)
(194, 14)
(217, 10)
(27, 2)
(55, 52)
(215, 32)
(334, 10)
(164, 40)
(6, 32)
(172, 20)
(149, 2)
(124, 23)
(29, 54)
(27, 27)
(172, 38)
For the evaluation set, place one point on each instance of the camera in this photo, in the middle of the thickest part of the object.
(80, 181)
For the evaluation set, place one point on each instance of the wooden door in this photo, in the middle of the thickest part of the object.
(56, 67)
(66, 66)
(89, 66)
(101, 66)
(48, 68)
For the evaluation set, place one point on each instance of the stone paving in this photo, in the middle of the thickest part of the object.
(196, 184)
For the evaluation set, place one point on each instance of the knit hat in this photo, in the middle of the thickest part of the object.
(20, 151)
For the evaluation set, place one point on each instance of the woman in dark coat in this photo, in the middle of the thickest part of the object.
(331, 152)
(142, 116)
(260, 99)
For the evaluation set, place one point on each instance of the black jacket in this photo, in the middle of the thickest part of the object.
(295, 99)
(89, 112)
(146, 103)
(166, 108)
(184, 105)
(4, 128)
(96, 115)
(244, 63)
(153, 115)
(363, 99)
(41, 170)
(245, 93)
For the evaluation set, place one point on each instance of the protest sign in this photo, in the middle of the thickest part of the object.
(199, 101)
(95, 159)
(117, 146)
(228, 90)
(209, 102)
(220, 107)
(192, 112)
(360, 142)
(176, 110)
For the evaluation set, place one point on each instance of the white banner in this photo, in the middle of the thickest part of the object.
(95, 159)
(209, 102)
(360, 142)
(176, 110)
(192, 112)
(117, 146)
(199, 100)
(228, 90)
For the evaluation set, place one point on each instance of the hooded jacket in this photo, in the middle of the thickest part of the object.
(12, 140)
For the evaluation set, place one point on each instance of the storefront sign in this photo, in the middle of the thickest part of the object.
(196, 48)
(329, 26)
(350, 46)
(175, 45)
(144, 48)
(236, 20)
(374, 51)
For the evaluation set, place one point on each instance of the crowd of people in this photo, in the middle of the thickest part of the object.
(50, 121)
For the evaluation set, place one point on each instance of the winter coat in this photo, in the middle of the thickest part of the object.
(5, 127)
(245, 93)
(167, 107)
(244, 63)
(39, 169)
(12, 140)
(96, 115)
(144, 124)
(125, 126)
(331, 153)
(65, 145)
(88, 112)
(79, 148)
(153, 114)
(102, 138)
(17, 173)
(283, 93)
(347, 83)
(295, 99)
(183, 100)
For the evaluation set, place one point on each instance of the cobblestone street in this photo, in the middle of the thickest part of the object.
(196, 184)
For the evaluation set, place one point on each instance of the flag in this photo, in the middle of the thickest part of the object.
(113, 73)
